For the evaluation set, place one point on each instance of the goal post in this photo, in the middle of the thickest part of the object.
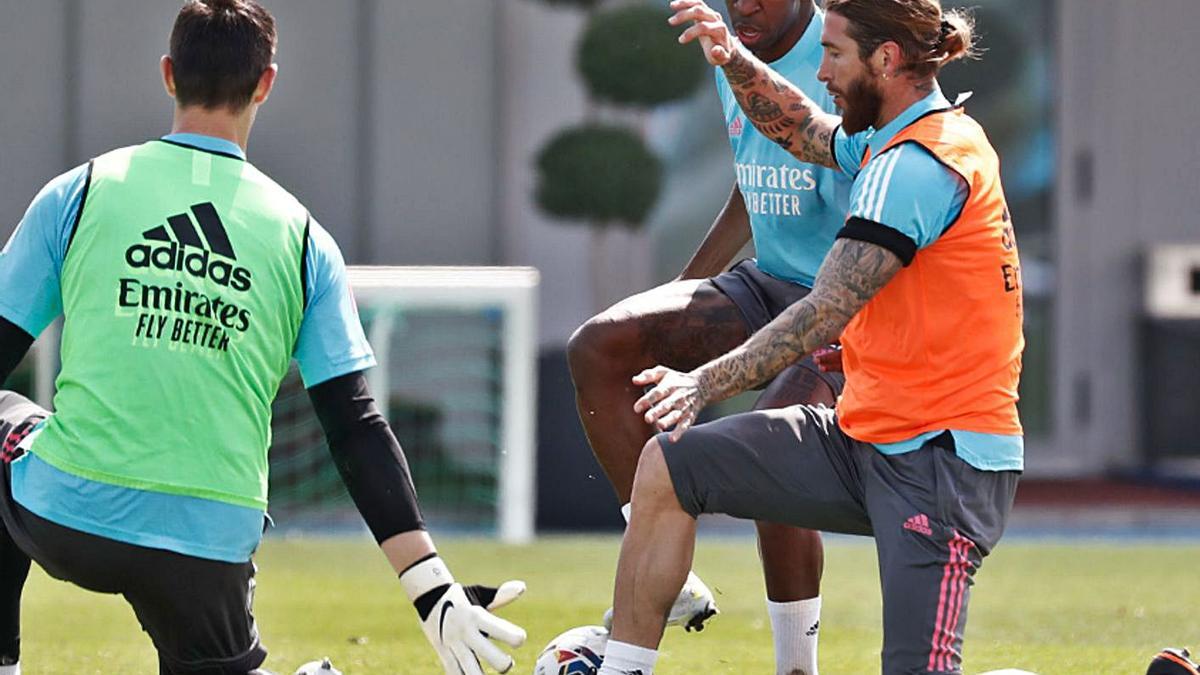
(513, 292)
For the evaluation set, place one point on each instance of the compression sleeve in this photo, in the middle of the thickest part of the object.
(367, 456)
(14, 343)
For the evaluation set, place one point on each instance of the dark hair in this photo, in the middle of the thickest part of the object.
(220, 49)
(928, 37)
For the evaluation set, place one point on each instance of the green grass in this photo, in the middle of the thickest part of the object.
(1052, 609)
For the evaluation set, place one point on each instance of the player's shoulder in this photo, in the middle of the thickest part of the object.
(323, 250)
(279, 194)
(58, 192)
(122, 152)
(909, 162)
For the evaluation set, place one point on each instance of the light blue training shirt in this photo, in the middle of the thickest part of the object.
(908, 190)
(796, 209)
(330, 344)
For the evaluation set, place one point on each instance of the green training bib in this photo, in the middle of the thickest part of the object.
(182, 294)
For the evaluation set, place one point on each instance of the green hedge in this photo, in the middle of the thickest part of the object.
(598, 173)
(631, 56)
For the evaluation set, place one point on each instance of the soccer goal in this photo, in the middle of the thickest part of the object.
(456, 350)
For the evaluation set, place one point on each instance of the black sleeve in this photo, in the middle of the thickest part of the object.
(367, 456)
(861, 229)
(14, 344)
(833, 147)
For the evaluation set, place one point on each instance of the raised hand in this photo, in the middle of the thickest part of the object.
(708, 27)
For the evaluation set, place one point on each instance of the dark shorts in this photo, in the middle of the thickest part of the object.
(933, 516)
(196, 611)
(760, 298)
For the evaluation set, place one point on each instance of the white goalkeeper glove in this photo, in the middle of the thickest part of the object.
(457, 619)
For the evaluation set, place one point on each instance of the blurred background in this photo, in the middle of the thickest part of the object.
(441, 133)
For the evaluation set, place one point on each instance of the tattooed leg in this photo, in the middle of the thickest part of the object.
(684, 323)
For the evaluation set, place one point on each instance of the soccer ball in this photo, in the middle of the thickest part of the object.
(322, 667)
(579, 651)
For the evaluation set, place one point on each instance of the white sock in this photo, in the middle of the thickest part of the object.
(14, 669)
(795, 627)
(626, 659)
(627, 511)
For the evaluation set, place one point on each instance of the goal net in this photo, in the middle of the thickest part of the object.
(456, 352)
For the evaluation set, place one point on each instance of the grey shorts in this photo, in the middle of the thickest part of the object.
(760, 298)
(933, 516)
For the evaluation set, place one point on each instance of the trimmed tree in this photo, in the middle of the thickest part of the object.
(602, 175)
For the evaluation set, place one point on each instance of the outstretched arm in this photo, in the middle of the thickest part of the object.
(853, 272)
(776, 107)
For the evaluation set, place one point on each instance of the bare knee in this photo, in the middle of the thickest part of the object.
(603, 346)
(652, 486)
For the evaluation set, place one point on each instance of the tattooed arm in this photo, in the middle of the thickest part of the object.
(776, 107)
(853, 272)
(780, 111)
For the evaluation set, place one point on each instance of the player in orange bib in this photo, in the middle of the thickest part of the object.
(922, 286)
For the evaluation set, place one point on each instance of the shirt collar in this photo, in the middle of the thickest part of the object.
(934, 101)
(209, 143)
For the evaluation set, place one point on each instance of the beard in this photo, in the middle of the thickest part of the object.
(863, 103)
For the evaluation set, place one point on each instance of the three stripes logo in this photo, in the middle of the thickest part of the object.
(207, 253)
(736, 127)
(920, 524)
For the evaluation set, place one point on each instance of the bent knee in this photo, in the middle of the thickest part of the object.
(603, 345)
(652, 483)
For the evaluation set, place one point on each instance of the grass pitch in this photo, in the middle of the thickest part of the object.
(1052, 609)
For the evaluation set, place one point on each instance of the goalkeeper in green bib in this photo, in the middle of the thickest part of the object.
(188, 280)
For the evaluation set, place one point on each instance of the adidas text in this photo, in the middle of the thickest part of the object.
(199, 263)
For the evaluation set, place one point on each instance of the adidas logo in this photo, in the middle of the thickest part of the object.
(919, 523)
(736, 127)
(813, 630)
(178, 246)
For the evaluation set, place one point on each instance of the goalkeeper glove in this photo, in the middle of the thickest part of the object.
(457, 619)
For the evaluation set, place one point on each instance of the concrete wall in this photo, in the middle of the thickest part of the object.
(383, 120)
(1129, 178)
(36, 139)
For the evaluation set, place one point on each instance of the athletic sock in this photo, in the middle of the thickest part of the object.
(14, 669)
(795, 626)
(626, 659)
